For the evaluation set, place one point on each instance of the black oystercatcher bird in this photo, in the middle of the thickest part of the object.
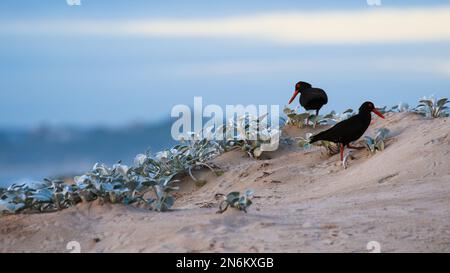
(310, 98)
(350, 129)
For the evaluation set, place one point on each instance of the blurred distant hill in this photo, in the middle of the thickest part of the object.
(51, 150)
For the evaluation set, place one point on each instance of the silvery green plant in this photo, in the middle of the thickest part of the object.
(377, 143)
(117, 184)
(398, 108)
(251, 133)
(433, 108)
(235, 200)
(401, 107)
(295, 118)
(158, 171)
(304, 119)
(333, 117)
(330, 147)
(303, 142)
(45, 196)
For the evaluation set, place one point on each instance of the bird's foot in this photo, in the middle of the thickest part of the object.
(348, 155)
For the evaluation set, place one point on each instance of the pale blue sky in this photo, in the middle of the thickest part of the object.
(76, 65)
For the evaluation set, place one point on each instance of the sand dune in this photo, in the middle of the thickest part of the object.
(304, 202)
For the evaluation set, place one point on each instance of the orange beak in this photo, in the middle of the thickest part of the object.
(377, 113)
(293, 97)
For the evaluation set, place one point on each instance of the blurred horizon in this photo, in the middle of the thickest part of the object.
(62, 65)
(114, 64)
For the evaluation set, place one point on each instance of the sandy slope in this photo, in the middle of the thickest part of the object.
(305, 202)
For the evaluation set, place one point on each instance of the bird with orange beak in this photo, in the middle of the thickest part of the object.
(349, 130)
(310, 98)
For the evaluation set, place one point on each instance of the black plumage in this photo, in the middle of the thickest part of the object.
(310, 98)
(350, 129)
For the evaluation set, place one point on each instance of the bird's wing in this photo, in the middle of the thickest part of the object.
(314, 96)
(323, 94)
(343, 130)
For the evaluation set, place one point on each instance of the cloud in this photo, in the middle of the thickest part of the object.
(431, 66)
(413, 66)
(380, 25)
